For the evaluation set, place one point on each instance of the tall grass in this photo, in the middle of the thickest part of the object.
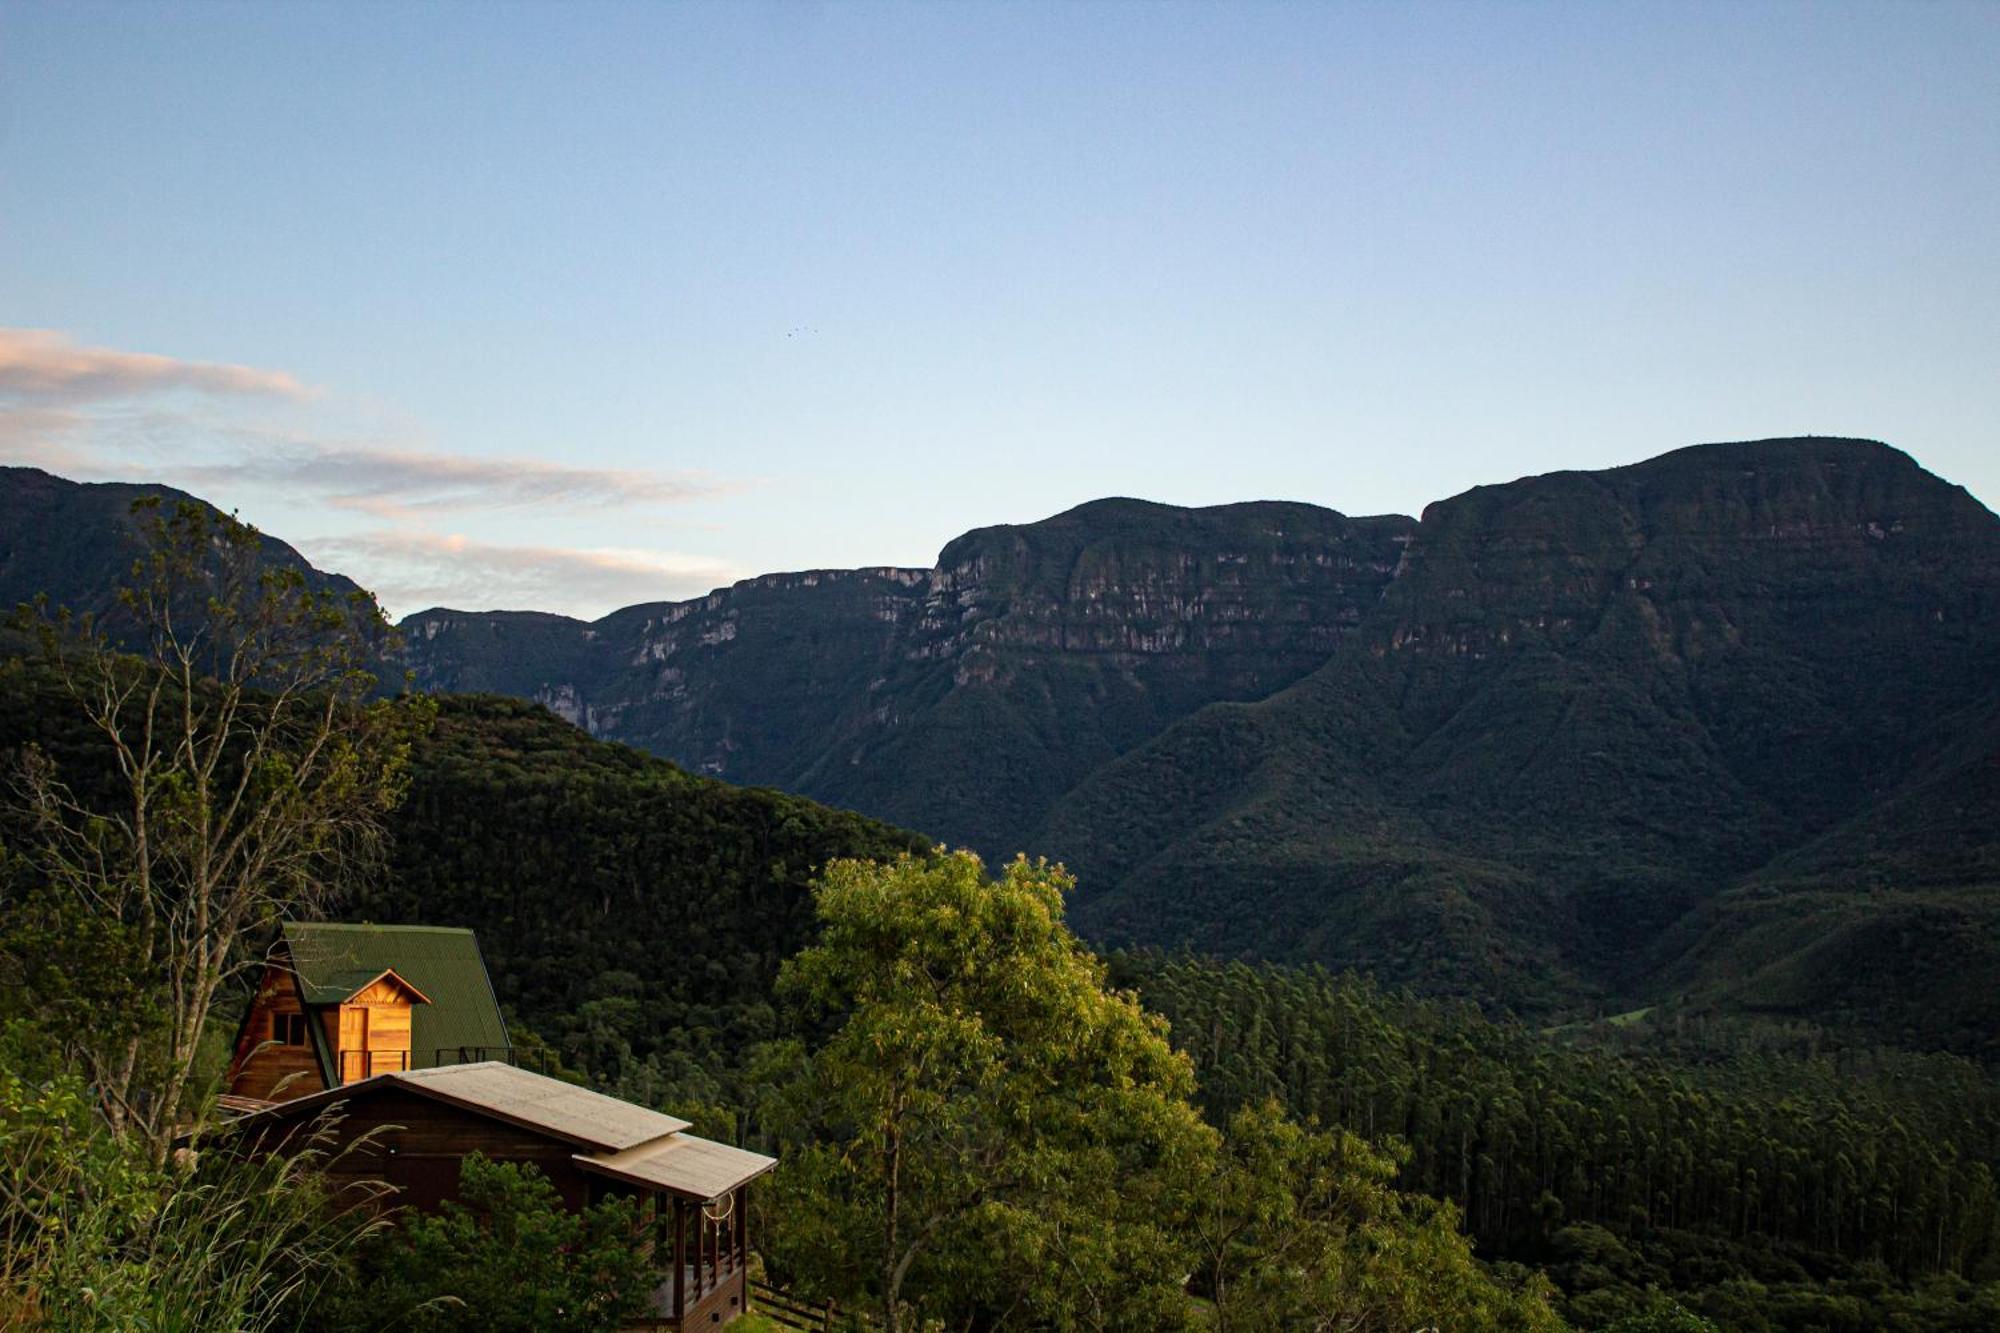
(92, 1237)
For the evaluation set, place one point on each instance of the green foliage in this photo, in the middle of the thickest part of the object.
(992, 1134)
(81, 977)
(630, 913)
(511, 1256)
(95, 1236)
(1662, 1315)
(988, 1129)
(1303, 1229)
(1626, 1158)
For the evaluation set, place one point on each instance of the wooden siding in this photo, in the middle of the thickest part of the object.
(263, 1066)
(375, 1033)
(415, 1144)
(379, 1014)
(369, 1035)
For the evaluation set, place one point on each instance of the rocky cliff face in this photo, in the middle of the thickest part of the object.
(962, 700)
(1588, 704)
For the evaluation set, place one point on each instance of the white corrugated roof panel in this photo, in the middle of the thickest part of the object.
(564, 1110)
(681, 1164)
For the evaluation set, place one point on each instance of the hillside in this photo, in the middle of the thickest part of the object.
(961, 700)
(76, 542)
(631, 910)
(611, 890)
(1720, 727)
(1588, 705)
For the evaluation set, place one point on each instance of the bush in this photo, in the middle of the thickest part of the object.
(510, 1257)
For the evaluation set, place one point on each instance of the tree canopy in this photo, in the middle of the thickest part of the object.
(992, 1136)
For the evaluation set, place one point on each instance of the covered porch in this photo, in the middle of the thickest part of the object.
(694, 1214)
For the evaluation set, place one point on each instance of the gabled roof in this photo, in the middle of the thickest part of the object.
(441, 963)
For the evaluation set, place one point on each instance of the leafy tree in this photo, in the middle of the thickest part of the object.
(510, 1257)
(1302, 1229)
(251, 772)
(1663, 1315)
(989, 1133)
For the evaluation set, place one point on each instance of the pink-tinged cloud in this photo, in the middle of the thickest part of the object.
(46, 365)
(401, 483)
(47, 438)
(410, 571)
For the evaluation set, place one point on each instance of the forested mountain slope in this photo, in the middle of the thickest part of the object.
(633, 911)
(76, 542)
(1589, 704)
(961, 700)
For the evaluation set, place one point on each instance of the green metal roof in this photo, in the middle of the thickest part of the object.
(331, 960)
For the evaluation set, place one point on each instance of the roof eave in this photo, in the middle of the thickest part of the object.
(598, 1166)
(418, 996)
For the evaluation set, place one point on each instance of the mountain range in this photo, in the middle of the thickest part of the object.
(1720, 727)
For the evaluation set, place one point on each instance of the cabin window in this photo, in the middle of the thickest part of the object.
(289, 1028)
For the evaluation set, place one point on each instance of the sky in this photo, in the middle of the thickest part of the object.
(570, 307)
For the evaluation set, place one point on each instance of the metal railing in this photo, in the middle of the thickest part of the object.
(540, 1061)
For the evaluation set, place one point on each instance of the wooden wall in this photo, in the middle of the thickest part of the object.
(415, 1144)
(373, 1033)
(260, 1068)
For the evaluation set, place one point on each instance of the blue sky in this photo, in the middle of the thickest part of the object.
(573, 306)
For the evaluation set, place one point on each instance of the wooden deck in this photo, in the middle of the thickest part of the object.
(714, 1299)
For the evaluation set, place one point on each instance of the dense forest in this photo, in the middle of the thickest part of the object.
(631, 913)
(636, 919)
(1766, 1180)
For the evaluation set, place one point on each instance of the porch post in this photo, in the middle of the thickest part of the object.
(715, 1254)
(680, 1259)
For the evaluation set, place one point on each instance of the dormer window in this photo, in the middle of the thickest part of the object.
(289, 1028)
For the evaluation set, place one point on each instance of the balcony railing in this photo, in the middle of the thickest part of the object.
(540, 1061)
(355, 1065)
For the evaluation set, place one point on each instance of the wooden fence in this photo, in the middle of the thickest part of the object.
(788, 1311)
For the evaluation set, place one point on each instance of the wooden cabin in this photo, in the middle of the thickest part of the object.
(336, 1004)
(693, 1193)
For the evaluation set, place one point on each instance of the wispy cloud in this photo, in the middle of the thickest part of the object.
(47, 366)
(411, 571)
(240, 436)
(401, 482)
(46, 437)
